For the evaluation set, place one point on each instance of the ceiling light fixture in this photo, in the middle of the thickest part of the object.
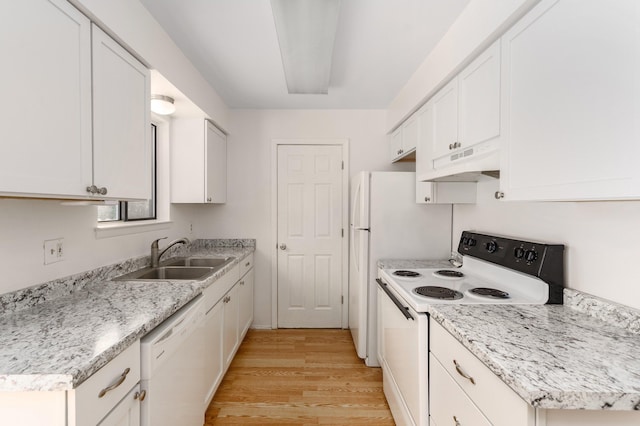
(163, 105)
(306, 32)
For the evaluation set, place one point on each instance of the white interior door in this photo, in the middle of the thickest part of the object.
(310, 232)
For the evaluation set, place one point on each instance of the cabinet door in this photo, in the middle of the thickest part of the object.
(213, 361)
(230, 332)
(479, 99)
(46, 83)
(127, 412)
(121, 126)
(571, 102)
(245, 310)
(410, 134)
(395, 144)
(216, 165)
(445, 119)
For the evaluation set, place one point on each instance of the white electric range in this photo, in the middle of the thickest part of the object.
(493, 270)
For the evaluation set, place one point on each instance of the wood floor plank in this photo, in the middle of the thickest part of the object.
(299, 377)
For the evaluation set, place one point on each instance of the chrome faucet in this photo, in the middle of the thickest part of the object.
(156, 254)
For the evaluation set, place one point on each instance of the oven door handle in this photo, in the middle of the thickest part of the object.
(394, 299)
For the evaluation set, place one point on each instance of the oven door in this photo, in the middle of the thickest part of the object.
(403, 354)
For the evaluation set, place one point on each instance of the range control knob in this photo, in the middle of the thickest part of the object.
(491, 246)
(472, 242)
(530, 255)
(465, 241)
(518, 252)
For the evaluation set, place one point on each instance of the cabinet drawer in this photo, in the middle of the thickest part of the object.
(449, 404)
(89, 406)
(220, 287)
(501, 405)
(246, 264)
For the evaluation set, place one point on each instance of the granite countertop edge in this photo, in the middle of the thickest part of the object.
(61, 365)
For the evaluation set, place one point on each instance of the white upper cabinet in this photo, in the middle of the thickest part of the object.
(445, 118)
(435, 192)
(404, 139)
(46, 84)
(121, 124)
(198, 162)
(467, 113)
(75, 119)
(571, 99)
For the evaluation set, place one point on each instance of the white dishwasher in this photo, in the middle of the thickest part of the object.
(172, 358)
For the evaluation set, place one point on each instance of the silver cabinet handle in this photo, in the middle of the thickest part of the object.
(247, 264)
(95, 190)
(208, 199)
(455, 419)
(499, 195)
(117, 383)
(283, 246)
(427, 199)
(241, 283)
(140, 395)
(462, 373)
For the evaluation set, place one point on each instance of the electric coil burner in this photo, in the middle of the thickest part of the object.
(448, 273)
(490, 292)
(407, 274)
(441, 293)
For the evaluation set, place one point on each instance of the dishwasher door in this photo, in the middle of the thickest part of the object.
(172, 362)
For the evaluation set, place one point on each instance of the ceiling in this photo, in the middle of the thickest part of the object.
(378, 46)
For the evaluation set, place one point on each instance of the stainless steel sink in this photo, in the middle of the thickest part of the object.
(211, 262)
(185, 268)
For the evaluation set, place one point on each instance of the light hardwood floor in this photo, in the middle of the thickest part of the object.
(299, 377)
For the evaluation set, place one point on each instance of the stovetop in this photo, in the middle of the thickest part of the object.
(495, 270)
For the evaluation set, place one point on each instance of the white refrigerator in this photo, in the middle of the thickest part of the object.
(386, 223)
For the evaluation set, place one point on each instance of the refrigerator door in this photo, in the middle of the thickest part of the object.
(360, 201)
(358, 287)
(359, 261)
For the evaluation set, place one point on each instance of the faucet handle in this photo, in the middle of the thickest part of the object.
(155, 242)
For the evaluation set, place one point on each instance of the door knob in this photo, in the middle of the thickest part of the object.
(283, 246)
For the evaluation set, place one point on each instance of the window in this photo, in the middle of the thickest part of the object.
(134, 210)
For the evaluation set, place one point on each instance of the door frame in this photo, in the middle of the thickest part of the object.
(344, 143)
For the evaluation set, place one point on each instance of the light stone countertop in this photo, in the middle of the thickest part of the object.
(581, 355)
(55, 343)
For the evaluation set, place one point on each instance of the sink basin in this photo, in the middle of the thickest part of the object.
(211, 262)
(169, 273)
(166, 273)
(184, 268)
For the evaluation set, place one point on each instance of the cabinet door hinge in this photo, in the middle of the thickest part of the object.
(342, 300)
(342, 232)
(343, 165)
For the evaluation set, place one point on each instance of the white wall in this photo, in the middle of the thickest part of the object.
(481, 22)
(247, 213)
(601, 238)
(25, 224)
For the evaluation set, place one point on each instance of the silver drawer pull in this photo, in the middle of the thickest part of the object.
(455, 419)
(118, 382)
(462, 373)
(247, 264)
(140, 395)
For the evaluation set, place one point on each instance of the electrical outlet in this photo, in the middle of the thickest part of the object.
(53, 251)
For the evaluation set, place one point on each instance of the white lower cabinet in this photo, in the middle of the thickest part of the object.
(245, 297)
(230, 327)
(127, 412)
(462, 386)
(213, 365)
(464, 392)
